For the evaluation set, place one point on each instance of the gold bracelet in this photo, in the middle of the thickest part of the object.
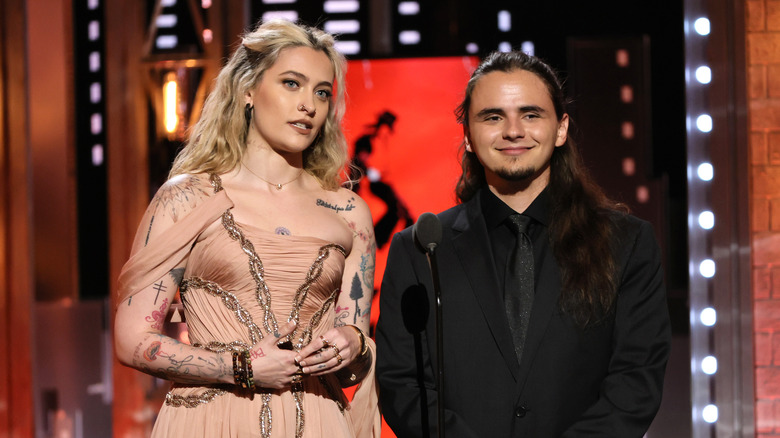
(363, 344)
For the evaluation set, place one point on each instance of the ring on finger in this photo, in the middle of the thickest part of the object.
(325, 342)
(338, 359)
(335, 348)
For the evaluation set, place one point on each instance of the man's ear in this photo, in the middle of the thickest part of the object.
(563, 131)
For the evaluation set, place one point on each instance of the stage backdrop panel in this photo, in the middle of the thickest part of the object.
(402, 132)
(403, 135)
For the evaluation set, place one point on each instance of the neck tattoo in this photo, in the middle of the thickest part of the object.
(277, 185)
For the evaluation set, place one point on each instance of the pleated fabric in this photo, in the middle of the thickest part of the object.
(222, 296)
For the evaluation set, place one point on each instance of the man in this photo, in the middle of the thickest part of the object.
(560, 329)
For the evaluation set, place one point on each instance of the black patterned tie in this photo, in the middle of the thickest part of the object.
(519, 284)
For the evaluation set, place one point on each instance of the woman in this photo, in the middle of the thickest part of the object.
(273, 259)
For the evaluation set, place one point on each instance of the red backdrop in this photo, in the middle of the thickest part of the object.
(414, 164)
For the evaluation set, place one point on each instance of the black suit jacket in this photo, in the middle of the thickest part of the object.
(605, 381)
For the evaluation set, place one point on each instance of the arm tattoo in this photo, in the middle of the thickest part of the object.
(368, 259)
(151, 352)
(149, 232)
(341, 314)
(336, 208)
(177, 274)
(159, 287)
(158, 317)
(177, 197)
(191, 368)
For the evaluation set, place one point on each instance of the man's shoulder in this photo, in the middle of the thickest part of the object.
(446, 218)
(630, 231)
(451, 214)
(627, 222)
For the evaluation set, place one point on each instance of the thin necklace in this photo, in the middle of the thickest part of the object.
(277, 185)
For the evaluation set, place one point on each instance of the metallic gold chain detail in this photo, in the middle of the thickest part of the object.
(193, 401)
(315, 319)
(299, 413)
(315, 270)
(256, 269)
(216, 182)
(221, 347)
(270, 324)
(228, 299)
(266, 419)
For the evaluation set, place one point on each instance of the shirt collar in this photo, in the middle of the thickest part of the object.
(496, 211)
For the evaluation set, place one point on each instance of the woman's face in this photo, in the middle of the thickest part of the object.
(291, 101)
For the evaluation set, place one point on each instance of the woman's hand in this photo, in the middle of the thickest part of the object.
(274, 367)
(332, 351)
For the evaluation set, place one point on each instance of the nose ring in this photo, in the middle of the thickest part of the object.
(302, 107)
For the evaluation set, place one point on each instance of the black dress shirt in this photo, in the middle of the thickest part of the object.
(502, 238)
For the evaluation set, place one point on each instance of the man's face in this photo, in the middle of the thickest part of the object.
(513, 128)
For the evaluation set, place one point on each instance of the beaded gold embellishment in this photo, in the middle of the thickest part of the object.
(270, 323)
(221, 347)
(193, 401)
(228, 299)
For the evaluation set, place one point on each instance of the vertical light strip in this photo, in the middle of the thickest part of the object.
(702, 268)
(722, 367)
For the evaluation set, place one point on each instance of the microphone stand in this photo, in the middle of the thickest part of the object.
(431, 252)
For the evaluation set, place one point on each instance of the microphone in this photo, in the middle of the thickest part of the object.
(427, 234)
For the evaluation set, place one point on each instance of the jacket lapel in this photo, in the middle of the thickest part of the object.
(471, 244)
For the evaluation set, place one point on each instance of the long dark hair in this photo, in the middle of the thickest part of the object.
(581, 215)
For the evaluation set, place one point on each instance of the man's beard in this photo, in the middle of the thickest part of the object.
(516, 175)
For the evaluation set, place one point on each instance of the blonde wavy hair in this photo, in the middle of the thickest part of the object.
(217, 141)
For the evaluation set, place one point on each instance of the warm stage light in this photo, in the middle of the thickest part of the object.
(170, 99)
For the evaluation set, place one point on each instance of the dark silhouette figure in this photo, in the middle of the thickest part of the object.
(396, 210)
